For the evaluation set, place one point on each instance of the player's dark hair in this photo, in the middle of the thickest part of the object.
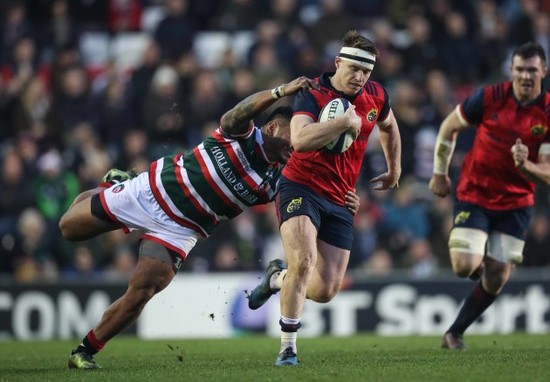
(284, 112)
(528, 50)
(354, 39)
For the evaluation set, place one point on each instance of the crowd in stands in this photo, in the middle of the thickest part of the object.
(86, 85)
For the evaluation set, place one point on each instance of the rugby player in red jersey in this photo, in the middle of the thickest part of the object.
(316, 228)
(181, 198)
(494, 195)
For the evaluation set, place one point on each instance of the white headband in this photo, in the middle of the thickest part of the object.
(358, 56)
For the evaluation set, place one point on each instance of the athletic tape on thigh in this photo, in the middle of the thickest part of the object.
(468, 240)
(505, 248)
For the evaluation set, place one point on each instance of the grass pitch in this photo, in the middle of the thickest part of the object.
(515, 357)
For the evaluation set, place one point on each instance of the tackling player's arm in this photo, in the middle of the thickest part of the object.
(453, 124)
(238, 121)
(538, 172)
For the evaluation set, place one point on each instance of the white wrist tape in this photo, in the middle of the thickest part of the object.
(278, 92)
(442, 155)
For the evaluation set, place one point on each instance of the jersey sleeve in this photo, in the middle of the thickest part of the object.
(386, 107)
(305, 103)
(472, 107)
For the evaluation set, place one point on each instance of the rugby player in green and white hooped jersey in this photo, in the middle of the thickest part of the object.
(180, 199)
(221, 176)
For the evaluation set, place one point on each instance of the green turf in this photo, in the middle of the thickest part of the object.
(362, 358)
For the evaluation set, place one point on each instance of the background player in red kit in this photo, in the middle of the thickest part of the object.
(494, 196)
(316, 228)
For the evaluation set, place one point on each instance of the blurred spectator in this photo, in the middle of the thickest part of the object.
(459, 52)
(114, 116)
(83, 266)
(15, 191)
(521, 26)
(420, 260)
(404, 219)
(164, 121)
(535, 253)
(226, 259)
(492, 36)
(14, 26)
(134, 151)
(72, 105)
(379, 264)
(123, 264)
(175, 32)
(206, 104)
(124, 15)
(140, 80)
(55, 187)
(334, 21)
(33, 229)
(92, 14)
(31, 109)
(365, 239)
(61, 29)
(421, 55)
(236, 15)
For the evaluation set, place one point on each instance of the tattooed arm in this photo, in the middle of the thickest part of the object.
(238, 120)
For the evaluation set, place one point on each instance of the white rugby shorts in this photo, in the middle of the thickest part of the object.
(135, 208)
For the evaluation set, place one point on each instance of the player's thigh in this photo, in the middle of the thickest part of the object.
(505, 248)
(507, 236)
(79, 223)
(299, 214)
(332, 263)
(468, 237)
(299, 240)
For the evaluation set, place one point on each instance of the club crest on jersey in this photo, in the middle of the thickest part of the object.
(538, 130)
(462, 217)
(116, 189)
(371, 115)
(294, 205)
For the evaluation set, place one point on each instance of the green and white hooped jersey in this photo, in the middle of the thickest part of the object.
(216, 181)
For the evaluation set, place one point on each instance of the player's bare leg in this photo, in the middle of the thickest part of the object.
(78, 223)
(465, 264)
(329, 272)
(149, 278)
(494, 276)
(299, 238)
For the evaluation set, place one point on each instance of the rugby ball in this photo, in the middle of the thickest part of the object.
(335, 108)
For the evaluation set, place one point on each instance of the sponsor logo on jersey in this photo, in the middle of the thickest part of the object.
(462, 217)
(538, 130)
(116, 189)
(371, 115)
(294, 205)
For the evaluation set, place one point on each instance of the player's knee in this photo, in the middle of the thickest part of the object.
(327, 295)
(68, 229)
(464, 264)
(137, 298)
(304, 268)
(324, 293)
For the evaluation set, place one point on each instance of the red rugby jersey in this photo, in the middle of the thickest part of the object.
(332, 175)
(488, 176)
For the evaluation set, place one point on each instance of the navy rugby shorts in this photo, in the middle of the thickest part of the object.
(512, 222)
(334, 222)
